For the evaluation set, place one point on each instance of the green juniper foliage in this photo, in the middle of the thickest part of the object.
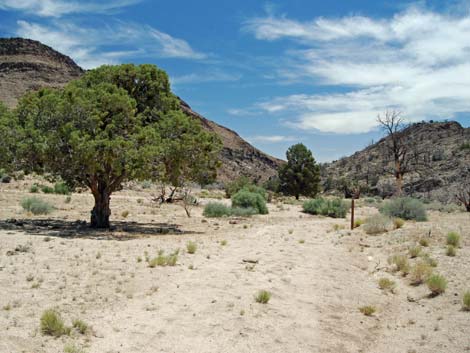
(300, 175)
(115, 124)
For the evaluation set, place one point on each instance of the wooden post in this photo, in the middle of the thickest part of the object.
(352, 213)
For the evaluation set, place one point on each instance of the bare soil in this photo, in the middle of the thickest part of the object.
(319, 274)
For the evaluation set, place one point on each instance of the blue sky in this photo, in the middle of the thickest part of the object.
(277, 72)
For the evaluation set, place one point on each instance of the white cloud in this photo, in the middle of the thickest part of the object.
(417, 61)
(210, 76)
(58, 8)
(271, 138)
(89, 46)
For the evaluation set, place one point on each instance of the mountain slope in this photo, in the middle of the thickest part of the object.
(29, 65)
(443, 164)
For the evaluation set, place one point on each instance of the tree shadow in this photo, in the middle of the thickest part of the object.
(81, 229)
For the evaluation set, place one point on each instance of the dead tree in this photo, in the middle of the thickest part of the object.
(404, 153)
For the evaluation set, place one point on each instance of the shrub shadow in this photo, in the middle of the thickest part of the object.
(81, 229)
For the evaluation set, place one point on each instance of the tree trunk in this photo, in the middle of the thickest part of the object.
(101, 212)
(352, 213)
(399, 177)
(297, 196)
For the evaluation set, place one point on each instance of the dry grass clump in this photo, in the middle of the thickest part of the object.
(420, 272)
(124, 214)
(164, 260)
(429, 260)
(424, 242)
(387, 284)
(437, 284)
(72, 348)
(368, 310)
(400, 262)
(466, 301)
(80, 325)
(453, 238)
(398, 223)
(191, 247)
(414, 251)
(51, 324)
(263, 297)
(377, 224)
(358, 223)
(451, 250)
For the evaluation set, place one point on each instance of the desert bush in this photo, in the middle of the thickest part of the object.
(146, 184)
(216, 209)
(61, 189)
(400, 262)
(429, 260)
(406, 208)
(5, 178)
(80, 325)
(164, 260)
(46, 189)
(420, 272)
(466, 301)
(335, 208)
(34, 189)
(442, 207)
(367, 310)
(68, 199)
(451, 251)
(377, 224)
(386, 284)
(51, 324)
(248, 199)
(453, 238)
(437, 284)
(414, 251)
(36, 206)
(263, 297)
(243, 212)
(235, 186)
(191, 247)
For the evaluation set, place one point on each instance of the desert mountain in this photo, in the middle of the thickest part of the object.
(29, 65)
(442, 165)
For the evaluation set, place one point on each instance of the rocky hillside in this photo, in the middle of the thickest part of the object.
(28, 65)
(441, 168)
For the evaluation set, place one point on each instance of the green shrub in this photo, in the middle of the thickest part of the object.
(191, 247)
(358, 223)
(36, 206)
(34, 189)
(424, 242)
(453, 238)
(263, 297)
(437, 284)
(335, 208)
(5, 179)
(406, 208)
(466, 301)
(61, 189)
(216, 209)
(248, 199)
(235, 186)
(377, 224)
(51, 324)
(243, 212)
(47, 189)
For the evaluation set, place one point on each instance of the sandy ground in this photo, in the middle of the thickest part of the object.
(318, 275)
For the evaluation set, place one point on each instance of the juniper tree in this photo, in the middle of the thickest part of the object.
(108, 128)
(300, 175)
